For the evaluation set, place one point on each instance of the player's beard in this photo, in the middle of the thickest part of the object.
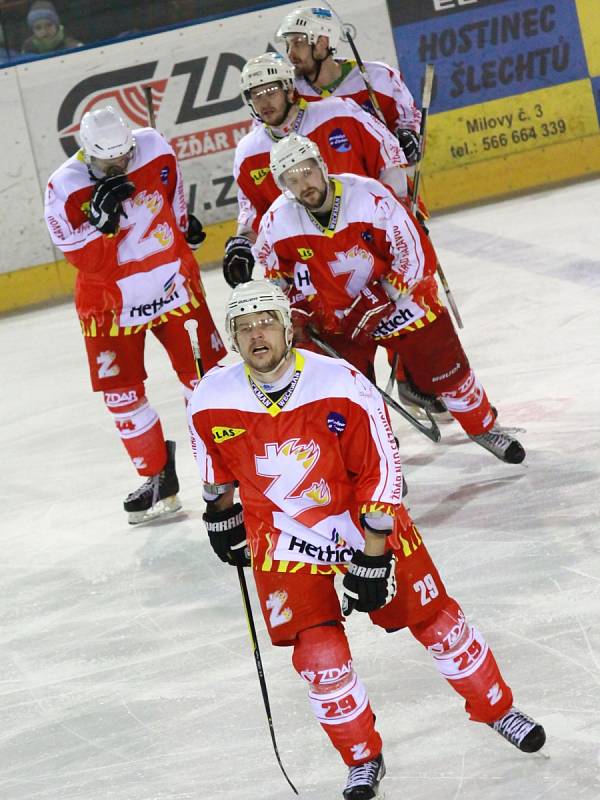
(312, 204)
(263, 368)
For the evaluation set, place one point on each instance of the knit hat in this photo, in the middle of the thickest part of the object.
(42, 9)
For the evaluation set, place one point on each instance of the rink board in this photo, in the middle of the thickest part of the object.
(516, 94)
(516, 111)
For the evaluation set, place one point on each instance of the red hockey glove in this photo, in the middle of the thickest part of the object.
(310, 312)
(370, 306)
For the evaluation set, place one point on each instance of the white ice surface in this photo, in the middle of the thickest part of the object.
(126, 671)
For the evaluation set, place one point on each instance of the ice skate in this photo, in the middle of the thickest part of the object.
(502, 445)
(363, 781)
(520, 730)
(411, 396)
(157, 496)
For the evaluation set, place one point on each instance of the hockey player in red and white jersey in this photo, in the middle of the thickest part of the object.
(362, 270)
(117, 211)
(350, 139)
(309, 442)
(311, 36)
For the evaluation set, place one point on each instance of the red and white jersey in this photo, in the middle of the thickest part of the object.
(371, 236)
(145, 270)
(396, 102)
(349, 139)
(307, 466)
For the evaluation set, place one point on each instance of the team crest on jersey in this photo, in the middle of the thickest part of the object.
(276, 605)
(258, 175)
(221, 434)
(339, 141)
(305, 253)
(290, 464)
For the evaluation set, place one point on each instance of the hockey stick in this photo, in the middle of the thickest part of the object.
(414, 197)
(346, 36)
(191, 327)
(149, 106)
(431, 431)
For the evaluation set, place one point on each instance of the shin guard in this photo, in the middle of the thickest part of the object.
(464, 658)
(469, 405)
(139, 428)
(337, 696)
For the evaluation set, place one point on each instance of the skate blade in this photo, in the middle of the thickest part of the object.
(164, 508)
(509, 431)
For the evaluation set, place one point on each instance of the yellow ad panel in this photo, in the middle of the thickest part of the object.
(511, 125)
(512, 174)
(588, 12)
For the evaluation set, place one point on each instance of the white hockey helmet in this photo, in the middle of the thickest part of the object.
(314, 22)
(292, 150)
(268, 68)
(105, 135)
(253, 296)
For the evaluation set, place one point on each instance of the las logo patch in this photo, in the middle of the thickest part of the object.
(258, 175)
(305, 253)
(221, 434)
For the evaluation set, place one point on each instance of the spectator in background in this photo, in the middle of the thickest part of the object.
(6, 52)
(48, 34)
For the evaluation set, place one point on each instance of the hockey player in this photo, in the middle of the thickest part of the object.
(310, 444)
(368, 274)
(117, 211)
(311, 37)
(351, 140)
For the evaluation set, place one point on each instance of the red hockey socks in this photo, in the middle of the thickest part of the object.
(463, 657)
(139, 428)
(469, 405)
(337, 695)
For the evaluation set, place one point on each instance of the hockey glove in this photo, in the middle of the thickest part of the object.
(238, 261)
(370, 582)
(194, 235)
(370, 306)
(227, 534)
(311, 313)
(409, 142)
(106, 205)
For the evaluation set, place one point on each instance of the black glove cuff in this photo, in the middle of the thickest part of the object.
(223, 521)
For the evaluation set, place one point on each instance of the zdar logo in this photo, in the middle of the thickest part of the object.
(123, 88)
(221, 434)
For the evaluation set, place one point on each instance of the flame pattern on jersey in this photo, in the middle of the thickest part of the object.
(301, 484)
(400, 254)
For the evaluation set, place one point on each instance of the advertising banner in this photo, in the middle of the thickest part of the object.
(513, 78)
(194, 73)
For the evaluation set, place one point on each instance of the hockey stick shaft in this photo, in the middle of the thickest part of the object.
(414, 200)
(347, 36)
(431, 431)
(191, 327)
(150, 106)
(425, 103)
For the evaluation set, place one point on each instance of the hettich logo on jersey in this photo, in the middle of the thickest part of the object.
(147, 295)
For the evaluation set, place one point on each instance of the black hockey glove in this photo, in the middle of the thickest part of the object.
(409, 142)
(370, 582)
(238, 261)
(194, 235)
(227, 534)
(106, 205)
